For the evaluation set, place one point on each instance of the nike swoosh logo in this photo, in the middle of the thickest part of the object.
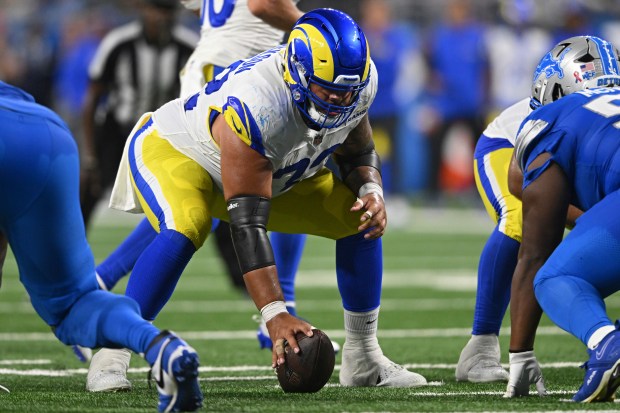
(599, 353)
(239, 130)
(371, 321)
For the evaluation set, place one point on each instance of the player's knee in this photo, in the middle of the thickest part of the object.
(542, 276)
(194, 230)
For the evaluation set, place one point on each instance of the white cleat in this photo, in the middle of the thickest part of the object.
(84, 354)
(108, 371)
(370, 368)
(479, 361)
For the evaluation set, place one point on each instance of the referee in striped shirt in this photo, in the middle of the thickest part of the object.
(135, 70)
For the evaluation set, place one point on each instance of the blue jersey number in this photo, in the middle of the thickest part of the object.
(606, 105)
(300, 167)
(216, 18)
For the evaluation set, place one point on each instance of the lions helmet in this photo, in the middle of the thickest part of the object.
(328, 49)
(574, 64)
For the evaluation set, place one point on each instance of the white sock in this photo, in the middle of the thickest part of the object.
(599, 335)
(361, 326)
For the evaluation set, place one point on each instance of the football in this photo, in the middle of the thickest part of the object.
(308, 370)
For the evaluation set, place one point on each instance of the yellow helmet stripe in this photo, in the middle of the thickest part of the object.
(367, 68)
(322, 56)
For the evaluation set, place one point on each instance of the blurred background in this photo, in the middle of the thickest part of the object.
(446, 68)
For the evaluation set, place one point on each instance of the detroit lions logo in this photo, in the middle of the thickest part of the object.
(550, 66)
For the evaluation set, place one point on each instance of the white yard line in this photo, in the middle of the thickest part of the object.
(244, 369)
(251, 334)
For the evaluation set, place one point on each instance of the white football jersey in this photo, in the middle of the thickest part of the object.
(257, 103)
(229, 32)
(506, 124)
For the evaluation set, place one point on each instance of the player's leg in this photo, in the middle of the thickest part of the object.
(179, 211)
(122, 260)
(57, 265)
(479, 360)
(571, 286)
(326, 202)
(288, 249)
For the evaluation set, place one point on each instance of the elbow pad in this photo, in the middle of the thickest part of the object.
(248, 228)
(346, 165)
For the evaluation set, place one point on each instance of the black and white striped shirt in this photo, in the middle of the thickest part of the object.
(140, 76)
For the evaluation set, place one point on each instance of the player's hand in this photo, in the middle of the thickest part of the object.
(524, 371)
(284, 327)
(374, 215)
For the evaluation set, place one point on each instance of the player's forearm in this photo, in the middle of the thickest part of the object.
(525, 312)
(263, 286)
(281, 14)
(361, 176)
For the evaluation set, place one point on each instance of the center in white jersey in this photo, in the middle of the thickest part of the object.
(257, 105)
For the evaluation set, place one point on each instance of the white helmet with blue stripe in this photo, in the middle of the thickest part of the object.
(574, 64)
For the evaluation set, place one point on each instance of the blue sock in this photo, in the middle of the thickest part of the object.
(497, 264)
(102, 319)
(287, 249)
(359, 269)
(158, 270)
(124, 257)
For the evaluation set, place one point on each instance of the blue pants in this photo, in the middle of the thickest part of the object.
(582, 271)
(41, 218)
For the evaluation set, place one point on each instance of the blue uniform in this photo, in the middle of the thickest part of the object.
(41, 218)
(581, 132)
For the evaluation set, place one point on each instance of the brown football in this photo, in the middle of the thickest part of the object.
(308, 370)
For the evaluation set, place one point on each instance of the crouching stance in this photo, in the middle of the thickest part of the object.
(40, 218)
(250, 148)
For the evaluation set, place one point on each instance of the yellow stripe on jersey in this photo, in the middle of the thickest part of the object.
(207, 72)
(492, 183)
(238, 117)
(237, 124)
(212, 114)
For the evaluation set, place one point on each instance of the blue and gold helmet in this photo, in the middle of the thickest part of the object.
(326, 52)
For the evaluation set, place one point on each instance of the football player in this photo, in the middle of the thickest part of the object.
(250, 148)
(569, 152)
(40, 217)
(480, 359)
(235, 30)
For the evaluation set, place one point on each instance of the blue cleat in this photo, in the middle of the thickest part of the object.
(175, 372)
(264, 341)
(602, 376)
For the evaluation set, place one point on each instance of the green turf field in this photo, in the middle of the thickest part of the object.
(427, 307)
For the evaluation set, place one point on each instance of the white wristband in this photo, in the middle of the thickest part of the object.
(370, 188)
(273, 309)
